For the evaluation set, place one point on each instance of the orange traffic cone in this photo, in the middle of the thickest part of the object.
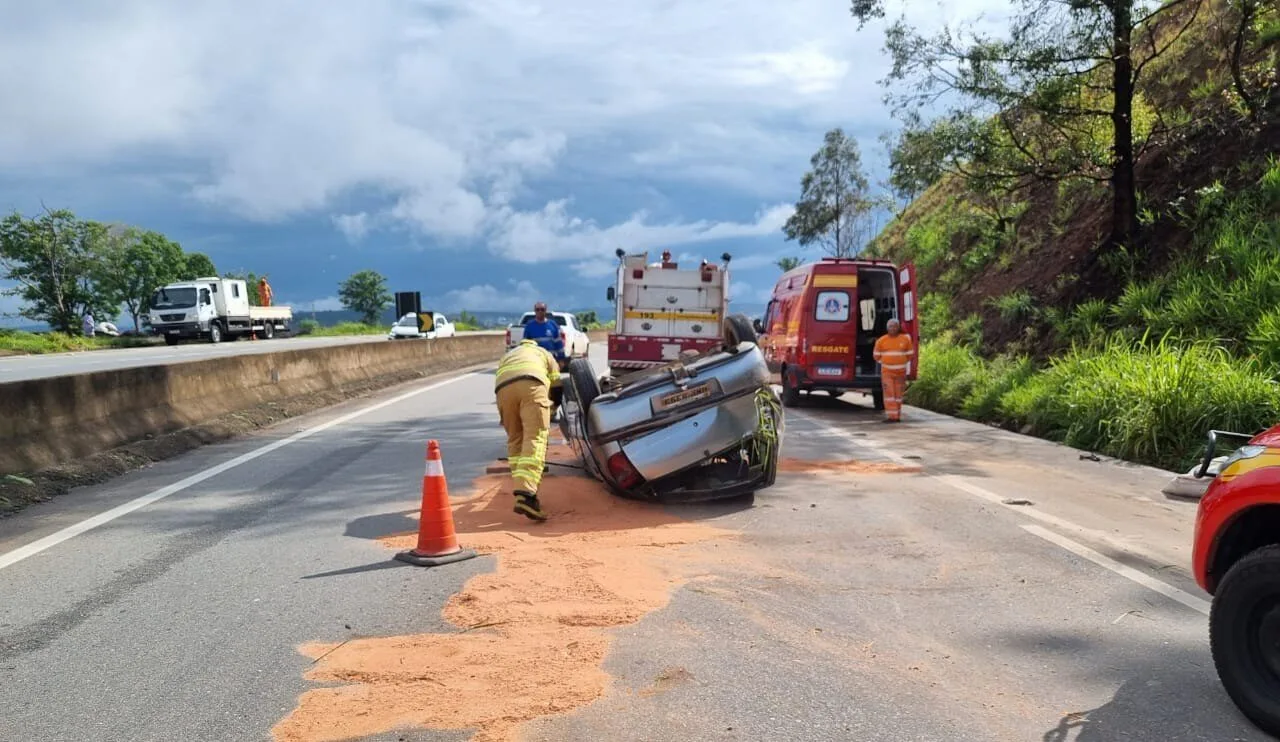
(437, 542)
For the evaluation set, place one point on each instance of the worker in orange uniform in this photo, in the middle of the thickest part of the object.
(264, 292)
(526, 374)
(894, 352)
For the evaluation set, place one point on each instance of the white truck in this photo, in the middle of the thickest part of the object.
(663, 311)
(213, 308)
(575, 340)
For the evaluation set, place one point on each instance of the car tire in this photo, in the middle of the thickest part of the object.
(877, 398)
(790, 388)
(215, 332)
(1244, 636)
(738, 329)
(586, 387)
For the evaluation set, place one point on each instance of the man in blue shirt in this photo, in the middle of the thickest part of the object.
(545, 332)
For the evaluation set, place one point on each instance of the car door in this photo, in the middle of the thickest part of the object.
(909, 321)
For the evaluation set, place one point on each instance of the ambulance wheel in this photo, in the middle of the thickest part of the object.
(877, 398)
(738, 329)
(790, 388)
(586, 387)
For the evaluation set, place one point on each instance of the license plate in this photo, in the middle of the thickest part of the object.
(173, 332)
(695, 393)
(830, 370)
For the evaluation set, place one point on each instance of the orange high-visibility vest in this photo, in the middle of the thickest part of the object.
(894, 353)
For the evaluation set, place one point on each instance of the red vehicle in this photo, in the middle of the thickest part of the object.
(663, 310)
(1236, 559)
(822, 322)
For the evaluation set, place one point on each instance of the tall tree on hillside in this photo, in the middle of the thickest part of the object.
(137, 262)
(786, 264)
(834, 202)
(197, 265)
(1033, 104)
(56, 261)
(365, 292)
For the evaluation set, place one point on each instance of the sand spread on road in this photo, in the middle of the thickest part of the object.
(806, 466)
(533, 633)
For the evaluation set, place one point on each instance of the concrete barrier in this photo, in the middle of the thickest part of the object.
(49, 421)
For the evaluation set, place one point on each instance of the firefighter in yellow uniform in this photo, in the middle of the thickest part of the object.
(894, 352)
(526, 375)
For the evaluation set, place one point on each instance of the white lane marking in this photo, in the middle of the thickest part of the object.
(53, 539)
(1029, 512)
(1123, 570)
(1044, 517)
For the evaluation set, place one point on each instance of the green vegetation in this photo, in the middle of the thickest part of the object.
(18, 342)
(365, 292)
(1194, 348)
(1095, 219)
(1149, 402)
(834, 207)
(345, 328)
(64, 267)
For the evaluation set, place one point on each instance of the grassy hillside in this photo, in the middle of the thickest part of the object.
(1030, 323)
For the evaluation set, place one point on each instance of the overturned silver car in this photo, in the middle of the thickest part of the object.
(704, 427)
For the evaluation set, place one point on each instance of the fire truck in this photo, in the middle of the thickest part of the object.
(662, 311)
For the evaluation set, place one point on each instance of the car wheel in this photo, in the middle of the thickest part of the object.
(877, 398)
(1244, 636)
(586, 387)
(790, 387)
(215, 332)
(738, 329)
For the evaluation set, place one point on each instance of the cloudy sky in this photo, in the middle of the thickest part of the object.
(484, 152)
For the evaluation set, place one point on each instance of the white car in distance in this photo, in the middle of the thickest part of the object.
(407, 327)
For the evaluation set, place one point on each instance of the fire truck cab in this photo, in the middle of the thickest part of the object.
(662, 311)
(821, 325)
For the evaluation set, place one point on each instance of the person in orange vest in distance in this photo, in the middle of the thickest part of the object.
(264, 292)
(894, 352)
(526, 375)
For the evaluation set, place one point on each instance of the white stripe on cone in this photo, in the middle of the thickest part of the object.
(435, 468)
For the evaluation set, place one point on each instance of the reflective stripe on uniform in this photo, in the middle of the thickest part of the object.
(527, 359)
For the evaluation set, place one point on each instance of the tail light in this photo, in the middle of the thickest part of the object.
(623, 472)
(508, 336)
(802, 358)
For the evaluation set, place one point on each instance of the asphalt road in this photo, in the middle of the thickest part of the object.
(887, 606)
(17, 368)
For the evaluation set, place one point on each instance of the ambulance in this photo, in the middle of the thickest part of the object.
(822, 321)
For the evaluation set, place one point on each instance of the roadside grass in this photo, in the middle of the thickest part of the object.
(18, 342)
(1145, 401)
(1142, 378)
(341, 329)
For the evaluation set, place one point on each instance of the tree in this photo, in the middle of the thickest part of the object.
(588, 319)
(138, 262)
(56, 261)
(1032, 104)
(786, 264)
(198, 265)
(365, 292)
(833, 203)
